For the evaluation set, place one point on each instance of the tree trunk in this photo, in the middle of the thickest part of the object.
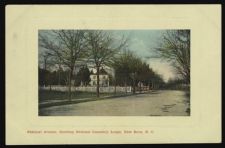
(133, 86)
(126, 85)
(70, 80)
(115, 86)
(59, 71)
(45, 75)
(97, 88)
(140, 88)
(59, 79)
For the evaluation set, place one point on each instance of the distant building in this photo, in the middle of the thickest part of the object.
(103, 78)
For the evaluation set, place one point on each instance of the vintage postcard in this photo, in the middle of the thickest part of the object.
(103, 74)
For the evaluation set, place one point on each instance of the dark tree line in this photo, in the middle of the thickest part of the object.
(130, 70)
(57, 77)
(176, 84)
(83, 77)
(61, 77)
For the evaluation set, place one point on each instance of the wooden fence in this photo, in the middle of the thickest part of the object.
(89, 88)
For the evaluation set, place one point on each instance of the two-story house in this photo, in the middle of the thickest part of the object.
(103, 78)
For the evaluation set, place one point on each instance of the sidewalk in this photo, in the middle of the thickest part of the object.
(50, 103)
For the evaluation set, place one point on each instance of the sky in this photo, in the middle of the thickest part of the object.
(142, 43)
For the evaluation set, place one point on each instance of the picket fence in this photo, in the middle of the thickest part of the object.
(89, 88)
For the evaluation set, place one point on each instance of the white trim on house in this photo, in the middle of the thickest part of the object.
(103, 80)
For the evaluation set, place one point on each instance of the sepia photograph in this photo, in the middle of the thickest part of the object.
(114, 72)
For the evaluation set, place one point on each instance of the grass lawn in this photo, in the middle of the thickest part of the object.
(46, 95)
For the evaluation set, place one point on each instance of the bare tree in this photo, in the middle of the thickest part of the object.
(126, 66)
(102, 50)
(67, 46)
(175, 47)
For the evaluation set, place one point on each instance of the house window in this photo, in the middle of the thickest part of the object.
(94, 77)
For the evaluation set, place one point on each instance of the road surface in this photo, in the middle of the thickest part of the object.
(159, 103)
